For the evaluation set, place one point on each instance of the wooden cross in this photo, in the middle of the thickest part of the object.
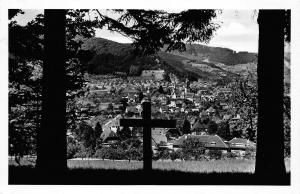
(147, 124)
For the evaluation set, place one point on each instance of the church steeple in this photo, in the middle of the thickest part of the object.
(173, 93)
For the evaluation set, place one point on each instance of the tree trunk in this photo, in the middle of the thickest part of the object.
(51, 142)
(270, 132)
(147, 139)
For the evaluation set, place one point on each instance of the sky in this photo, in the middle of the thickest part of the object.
(238, 31)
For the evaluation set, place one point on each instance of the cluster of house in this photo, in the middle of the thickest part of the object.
(214, 142)
(176, 97)
(237, 146)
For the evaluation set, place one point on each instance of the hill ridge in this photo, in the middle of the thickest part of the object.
(110, 56)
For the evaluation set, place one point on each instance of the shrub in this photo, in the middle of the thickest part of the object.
(161, 153)
(72, 149)
(192, 148)
(103, 153)
(83, 152)
(250, 153)
(164, 154)
(231, 155)
(134, 154)
(176, 155)
(117, 154)
(215, 154)
(110, 153)
(131, 143)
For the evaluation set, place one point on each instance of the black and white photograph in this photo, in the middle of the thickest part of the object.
(142, 96)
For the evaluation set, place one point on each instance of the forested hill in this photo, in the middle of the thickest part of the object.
(217, 54)
(110, 56)
(104, 46)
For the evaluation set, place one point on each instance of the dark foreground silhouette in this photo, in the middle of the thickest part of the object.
(30, 175)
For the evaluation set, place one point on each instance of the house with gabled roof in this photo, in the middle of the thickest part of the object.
(132, 109)
(241, 143)
(189, 96)
(238, 146)
(159, 140)
(112, 124)
(210, 142)
(109, 137)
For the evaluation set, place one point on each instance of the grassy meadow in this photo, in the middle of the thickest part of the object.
(185, 166)
(224, 165)
(105, 164)
(233, 165)
(208, 166)
(94, 172)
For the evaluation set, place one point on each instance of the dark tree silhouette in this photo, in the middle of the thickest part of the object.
(141, 96)
(167, 77)
(161, 90)
(151, 30)
(212, 127)
(87, 135)
(51, 142)
(98, 130)
(13, 12)
(186, 128)
(124, 103)
(125, 133)
(24, 86)
(224, 131)
(270, 135)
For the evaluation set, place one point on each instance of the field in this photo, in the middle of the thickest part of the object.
(234, 165)
(94, 172)
(105, 164)
(229, 165)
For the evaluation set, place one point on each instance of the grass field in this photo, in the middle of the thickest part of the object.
(94, 172)
(208, 166)
(233, 165)
(105, 164)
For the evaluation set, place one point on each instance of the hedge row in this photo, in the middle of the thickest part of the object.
(199, 155)
(192, 149)
(137, 154)
(119, 153)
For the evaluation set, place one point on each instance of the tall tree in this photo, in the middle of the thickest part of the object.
(270, 136)
(244, 100)
(186, 128)
(212, 127)
(98, 129)
(141, 96)
(224, 131)
(161, 90)
(125, 133)
(24, 86)
(26, 55)
(53, 126)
